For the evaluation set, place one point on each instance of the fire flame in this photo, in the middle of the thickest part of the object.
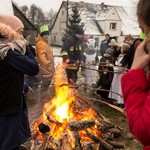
(60, 108)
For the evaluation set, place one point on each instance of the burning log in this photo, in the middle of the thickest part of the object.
(80, 125)
(95, 146)
(77, 141)
(99, 116)
(54, 142)
(43, 146)
(64, 143)
(103, 143)
(43, 128)
(53, 120)
(90, 146)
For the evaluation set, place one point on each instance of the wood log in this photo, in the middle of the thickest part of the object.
(103, 143)
(77, 141)
(53, 120)
(95, 146)
(43, 146)
(116, 144)
(43, 128)
(87, 145)
(54, 142)
(116, 132)
(64, 143)
(32, 145)
(80, 125)
(101, 118)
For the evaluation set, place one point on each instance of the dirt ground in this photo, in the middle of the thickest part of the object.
(119, 119)
(35, 111)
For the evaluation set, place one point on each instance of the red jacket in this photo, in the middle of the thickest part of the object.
(136, 94)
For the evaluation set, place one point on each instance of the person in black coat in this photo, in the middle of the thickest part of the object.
(104, 82)
(15, 61)
(128, 57)
(104, 44)
(72, 54)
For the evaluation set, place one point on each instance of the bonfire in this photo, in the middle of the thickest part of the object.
(70, 122)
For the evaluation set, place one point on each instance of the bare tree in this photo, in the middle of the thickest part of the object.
(32, 13)
(50, 17)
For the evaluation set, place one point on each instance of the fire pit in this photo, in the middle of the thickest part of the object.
(70, 122)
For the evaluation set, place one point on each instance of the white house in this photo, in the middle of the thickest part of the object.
(98, 20)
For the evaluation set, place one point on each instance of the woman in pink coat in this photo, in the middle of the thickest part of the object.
(136, 82)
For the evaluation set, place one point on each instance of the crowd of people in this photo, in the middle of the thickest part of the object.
(118, 71)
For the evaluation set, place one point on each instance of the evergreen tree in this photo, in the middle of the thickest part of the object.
(74, 21)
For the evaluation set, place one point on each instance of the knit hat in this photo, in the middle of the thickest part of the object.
(44, 30)
(79, 30)
(11, 21)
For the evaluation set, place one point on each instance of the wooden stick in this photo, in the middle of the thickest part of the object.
(77, 141)
(87, 99)
(53, 120)
(103, 143)
(100, 89)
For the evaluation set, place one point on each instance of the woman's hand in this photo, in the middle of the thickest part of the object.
(141, 58)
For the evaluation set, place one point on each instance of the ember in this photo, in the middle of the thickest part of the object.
(69, 122)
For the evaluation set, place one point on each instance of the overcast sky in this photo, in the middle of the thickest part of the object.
(46, 5)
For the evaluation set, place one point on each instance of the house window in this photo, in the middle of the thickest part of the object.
(113, 26)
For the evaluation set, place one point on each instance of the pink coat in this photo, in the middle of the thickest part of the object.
(136, 94)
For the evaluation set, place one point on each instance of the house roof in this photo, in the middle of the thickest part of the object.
(129, 21)
(91, 27)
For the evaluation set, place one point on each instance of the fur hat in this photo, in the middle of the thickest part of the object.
(79, 30)
(6, 32)
(11, 21)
